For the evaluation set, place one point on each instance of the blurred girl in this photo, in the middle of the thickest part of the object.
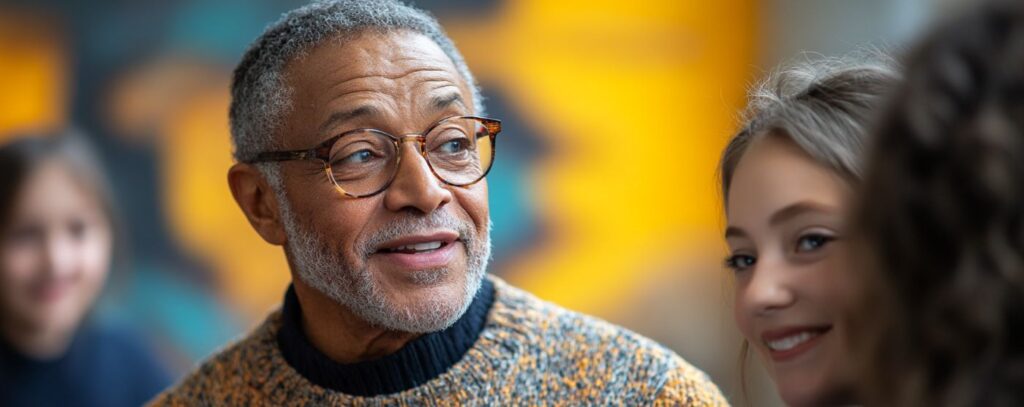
(942, 316)
(57, 237)
(787, 178)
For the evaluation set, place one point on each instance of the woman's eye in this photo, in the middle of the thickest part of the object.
(740, 262)
(25, 235)
(78, 229)
(812, 242)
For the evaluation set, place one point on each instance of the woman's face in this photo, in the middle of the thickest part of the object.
(54, 252)
(786, 240)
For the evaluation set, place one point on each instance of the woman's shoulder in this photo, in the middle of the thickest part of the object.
(117, 350)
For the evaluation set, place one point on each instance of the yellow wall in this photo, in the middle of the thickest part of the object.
(33, 74)
(636, 100)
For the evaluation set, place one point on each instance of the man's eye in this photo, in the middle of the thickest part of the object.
(357, 157)
(740, 262)
(454, 146)
(812, 242)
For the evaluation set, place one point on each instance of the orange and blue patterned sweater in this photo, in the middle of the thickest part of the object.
(527, 352)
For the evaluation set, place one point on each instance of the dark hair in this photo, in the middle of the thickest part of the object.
(941, 213)
(22, 156)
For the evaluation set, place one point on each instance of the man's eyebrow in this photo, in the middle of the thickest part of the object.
(444, 101)
(437, 103)
(347, 115)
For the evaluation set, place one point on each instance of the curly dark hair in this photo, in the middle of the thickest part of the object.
(941, 321)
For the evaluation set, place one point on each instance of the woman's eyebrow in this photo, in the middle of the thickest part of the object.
(799, 208)
(733, 231)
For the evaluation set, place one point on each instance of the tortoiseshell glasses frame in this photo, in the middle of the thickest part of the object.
(364, 162)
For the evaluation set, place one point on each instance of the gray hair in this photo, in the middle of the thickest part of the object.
(824, 105)
(259, 94)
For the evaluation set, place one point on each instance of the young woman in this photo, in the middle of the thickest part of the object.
(787, 178)
(57, 237)
(942, 220)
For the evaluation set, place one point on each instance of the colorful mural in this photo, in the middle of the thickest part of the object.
(603, 187)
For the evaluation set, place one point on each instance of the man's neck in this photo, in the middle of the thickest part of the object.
(341, 335)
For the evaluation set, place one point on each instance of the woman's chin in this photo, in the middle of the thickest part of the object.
(816, 394)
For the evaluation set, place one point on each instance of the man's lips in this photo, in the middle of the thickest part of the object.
(789, 342)
(418, 243)
(420, 252)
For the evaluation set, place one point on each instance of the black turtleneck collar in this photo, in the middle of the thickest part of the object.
(419, 361)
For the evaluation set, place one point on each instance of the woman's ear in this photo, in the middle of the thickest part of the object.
(258, 201)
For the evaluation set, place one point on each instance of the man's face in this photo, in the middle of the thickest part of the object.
(410, 258)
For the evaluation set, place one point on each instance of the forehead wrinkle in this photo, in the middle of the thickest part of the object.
(391, 74)
(443, 83)
(392, 78)
(371, 91)
(382, 89)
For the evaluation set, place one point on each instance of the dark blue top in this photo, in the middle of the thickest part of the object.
(103, 367)
(419, 361)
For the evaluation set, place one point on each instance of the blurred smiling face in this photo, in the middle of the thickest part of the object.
(54, 252)
(412, 257)
(786, 240)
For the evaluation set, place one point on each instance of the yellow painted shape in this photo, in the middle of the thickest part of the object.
(184, 102)
(636, 100)
(196, 156)
(33, 74)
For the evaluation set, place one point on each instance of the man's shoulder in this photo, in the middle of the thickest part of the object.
(545, 323)
(232, 375)
(596, 351)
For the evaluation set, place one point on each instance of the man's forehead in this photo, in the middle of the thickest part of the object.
(379, 53)
(372, 77)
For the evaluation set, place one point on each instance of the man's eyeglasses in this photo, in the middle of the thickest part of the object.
(363, 162)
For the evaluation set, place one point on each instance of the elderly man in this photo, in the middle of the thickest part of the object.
(362, 151)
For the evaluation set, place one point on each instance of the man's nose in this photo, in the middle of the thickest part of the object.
(415, 186)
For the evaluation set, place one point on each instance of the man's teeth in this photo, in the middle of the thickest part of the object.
(419, 247)
(791, 342)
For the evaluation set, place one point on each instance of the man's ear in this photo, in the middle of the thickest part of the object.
(257, 200)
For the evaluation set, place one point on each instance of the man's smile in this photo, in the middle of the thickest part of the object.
(421, 251)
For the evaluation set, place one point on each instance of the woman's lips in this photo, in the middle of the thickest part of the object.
(50, 291)
(788, 343)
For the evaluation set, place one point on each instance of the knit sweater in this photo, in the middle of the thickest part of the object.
(529, 352)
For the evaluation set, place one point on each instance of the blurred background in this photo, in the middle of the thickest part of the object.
(603, 195)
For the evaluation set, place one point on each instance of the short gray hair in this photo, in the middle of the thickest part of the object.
(824, 105)
(259, 95)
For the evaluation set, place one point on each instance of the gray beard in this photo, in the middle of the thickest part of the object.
(355, 288)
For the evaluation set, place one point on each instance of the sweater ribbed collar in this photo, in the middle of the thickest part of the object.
(418, 362)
